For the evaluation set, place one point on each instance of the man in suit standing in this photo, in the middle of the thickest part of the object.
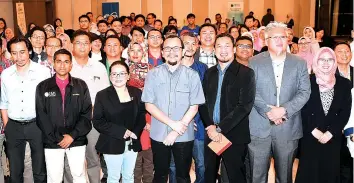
(229, 89)
(282, 89)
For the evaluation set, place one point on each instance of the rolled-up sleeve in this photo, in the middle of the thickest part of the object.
(148, 95)
(196, 96)
(4, 102)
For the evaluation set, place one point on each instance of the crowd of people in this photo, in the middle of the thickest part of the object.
(129, 99)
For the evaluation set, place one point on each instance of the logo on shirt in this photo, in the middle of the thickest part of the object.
(50, 94)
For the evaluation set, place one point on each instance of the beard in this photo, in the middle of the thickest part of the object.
(172, 63)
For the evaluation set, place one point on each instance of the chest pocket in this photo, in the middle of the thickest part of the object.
(182, 94)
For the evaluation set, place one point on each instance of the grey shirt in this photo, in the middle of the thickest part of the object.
(173, 93)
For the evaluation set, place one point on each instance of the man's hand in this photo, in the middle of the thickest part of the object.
(317, 133)
(133, 136)
(213, 134)
(171, 138)
(127, 134)
(325, 137)
(66, 142)
(276, 114)
(178, 126)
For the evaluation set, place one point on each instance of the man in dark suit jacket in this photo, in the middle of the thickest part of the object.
(229, 89)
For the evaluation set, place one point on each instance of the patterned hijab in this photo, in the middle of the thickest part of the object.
(326, 81)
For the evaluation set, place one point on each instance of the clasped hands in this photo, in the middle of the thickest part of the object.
(323, 138)
(130, 134)
(66, 142)
(178, 127)
(276, 114)
(213, 134)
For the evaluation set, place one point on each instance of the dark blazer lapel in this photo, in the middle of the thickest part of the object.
(113, 96)
(135, 100)
(336, 98)
(213, 88)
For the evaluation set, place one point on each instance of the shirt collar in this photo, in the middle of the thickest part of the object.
(168, 69)
(203, 52)
(227, 66)
(31, 67)
(88, 64)
(151, 56)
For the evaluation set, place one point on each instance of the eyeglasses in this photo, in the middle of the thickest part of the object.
(174, 49)
(323, 60)
(155, 37)
(84, 21)
(244, 46)
(52, 46)
(82, 44)
(115, 75)
(38, 37)
(277, 37)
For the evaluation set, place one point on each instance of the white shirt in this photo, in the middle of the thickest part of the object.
(94, 74)
(18, 92)
(352, 50)
(96, 56)
(278, 67)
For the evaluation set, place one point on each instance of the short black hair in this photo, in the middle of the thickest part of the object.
(139, 29)
(251, 12)
(16, 40)
(232, 27)
(224, 35)
(341, 43)
(81, 33)
(119, 63)
(191, 15)
(240, 38)
(242, 26)
(116, 20)
(63, 52)
(60, 42)
(223, 24)
(158, 20)
(132, 13)
(218, 14)
(111, 37)
(172, 19)
(37, 28)
(89, 13)
(248, 17)
(269, 10)
(207, 19)
(95, 37)
(102, 22)
(154, 30)
(173, 37)
(112, 30)
(152, 14)
(139, 16)
(169, 28)
(207, 25)
(84, 16)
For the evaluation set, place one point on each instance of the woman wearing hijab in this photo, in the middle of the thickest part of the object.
(305, 52)
(49, 30)
(65, 39)
(310, 33)
(257, 41)
(324, 117)
(261, 36)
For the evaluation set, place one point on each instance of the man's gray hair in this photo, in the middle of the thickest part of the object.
(273, 25)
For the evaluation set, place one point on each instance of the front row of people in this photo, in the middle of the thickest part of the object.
(263, 109)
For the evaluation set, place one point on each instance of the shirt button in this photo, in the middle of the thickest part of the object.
(22, 81)
(22, 110)
(22, 91)
(22, 101)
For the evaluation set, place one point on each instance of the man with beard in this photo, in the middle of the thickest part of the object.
(283, 88)
(172, 94)
(229, 89)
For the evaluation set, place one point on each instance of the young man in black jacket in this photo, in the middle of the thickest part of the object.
(64, 112)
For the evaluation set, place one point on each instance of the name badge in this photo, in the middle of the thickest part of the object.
(50, 94)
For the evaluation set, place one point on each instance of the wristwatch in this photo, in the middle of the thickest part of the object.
(218, 129)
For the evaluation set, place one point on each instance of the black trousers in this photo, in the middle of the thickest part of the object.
(16, 137)
(346, 163)
(233, 159)
(182, 154)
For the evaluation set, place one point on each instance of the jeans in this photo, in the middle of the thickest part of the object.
(198, 156)
(121, 164)
(144, 167)
(182, 154)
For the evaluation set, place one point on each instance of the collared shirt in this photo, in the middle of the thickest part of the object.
(154, 61)
(195, 30)
(278, 67)
(39, 57)
(18, 92)
(208, 59)
(96, 56)
(216, 112)
(201, 69)
(173, 93)
(94, 74)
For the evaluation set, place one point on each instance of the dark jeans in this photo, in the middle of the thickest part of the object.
(144, 167)
(198, 156)
(182, 154)
(16, 137)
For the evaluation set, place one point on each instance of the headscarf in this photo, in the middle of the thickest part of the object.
(326, 81)
(307, 55)
(138, 71)
(49, 29)
(314, 44)
(68, 45)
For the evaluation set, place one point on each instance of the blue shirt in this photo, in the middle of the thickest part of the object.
(216, 113)
(173, 93)
(201, 69)
(195, 30)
